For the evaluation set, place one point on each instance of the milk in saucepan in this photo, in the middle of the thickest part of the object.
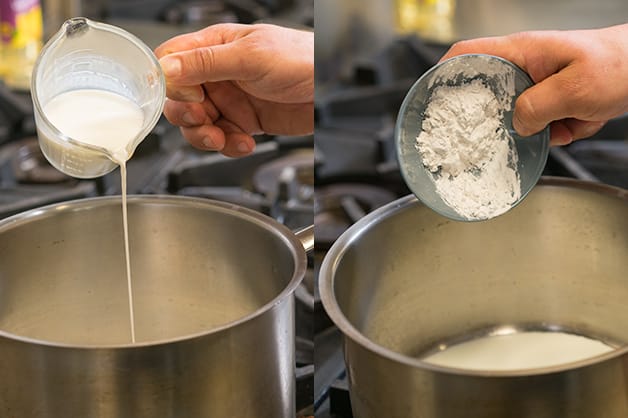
(107, 120)
(519, 351)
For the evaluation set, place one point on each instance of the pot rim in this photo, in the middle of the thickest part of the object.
(338, 249)
(271, 225)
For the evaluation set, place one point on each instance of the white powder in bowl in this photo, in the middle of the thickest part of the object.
(472, 157)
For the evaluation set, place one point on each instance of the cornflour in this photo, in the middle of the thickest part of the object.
(472, 157)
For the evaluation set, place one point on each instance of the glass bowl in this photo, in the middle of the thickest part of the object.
(532, 150)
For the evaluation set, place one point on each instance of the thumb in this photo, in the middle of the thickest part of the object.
(550, 100)
(204, 64)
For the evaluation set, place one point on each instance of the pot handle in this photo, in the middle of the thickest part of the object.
(306, 236)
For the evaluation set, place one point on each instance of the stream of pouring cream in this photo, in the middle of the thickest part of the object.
(110, 121)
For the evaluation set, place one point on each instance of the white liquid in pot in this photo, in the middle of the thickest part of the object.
(519, 351)
(107, 120)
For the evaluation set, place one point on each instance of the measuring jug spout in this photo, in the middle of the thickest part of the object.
(75, 26)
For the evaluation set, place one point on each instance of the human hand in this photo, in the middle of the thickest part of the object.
(581, 76)
(228, 82)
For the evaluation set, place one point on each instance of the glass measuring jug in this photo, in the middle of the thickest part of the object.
(85, 54)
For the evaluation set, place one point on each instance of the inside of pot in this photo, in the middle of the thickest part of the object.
(416, 283)
(194, 268)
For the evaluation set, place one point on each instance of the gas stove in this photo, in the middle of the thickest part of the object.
(357, 172)
(277, 179)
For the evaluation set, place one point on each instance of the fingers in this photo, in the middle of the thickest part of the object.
(566, 131)
(223, 136)
(189, 114)
(581, 129)
(187, 41)
(218, 34)
(205, 137)
(538, 106)
(540, 53)
(503, 46)
(560, 92)
(205, 64)
(238, 145)
(237, 142)
(191, 94)
(186, 71)
(558, 97)
(560, 134)
(203, 127)
(188, 60)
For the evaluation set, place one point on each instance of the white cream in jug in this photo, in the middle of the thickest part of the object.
(107, 120)
(519, 351)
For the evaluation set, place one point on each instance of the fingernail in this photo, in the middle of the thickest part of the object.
(591, 128)
(189, 119)
(244, 147)
(521, 129)
(517, 125)
(192, 94)
(171, 66)
(208, 143)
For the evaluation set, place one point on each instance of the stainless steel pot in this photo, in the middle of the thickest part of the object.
(404, 279)
(213, 287)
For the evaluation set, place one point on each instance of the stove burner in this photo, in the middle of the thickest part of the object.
(27, 180)
(338, 206)
(268, 176)
(30, 166)
(16, 114)
(276, 180)
(288, 183)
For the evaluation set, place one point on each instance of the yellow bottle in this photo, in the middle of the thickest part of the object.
(2, 61)
(432, 19)
(21, 32)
